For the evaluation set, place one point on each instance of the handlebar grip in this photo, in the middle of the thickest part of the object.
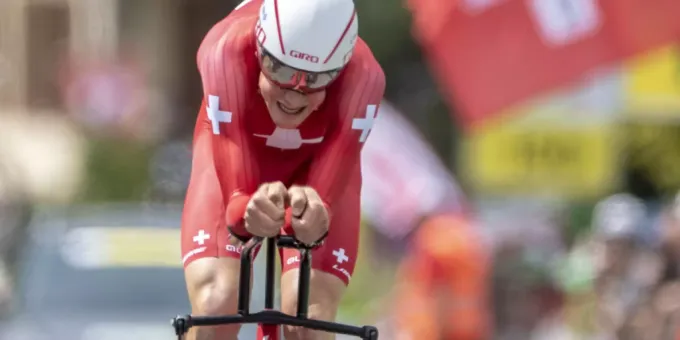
(287, 241)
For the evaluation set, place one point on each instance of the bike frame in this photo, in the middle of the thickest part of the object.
(269, 320)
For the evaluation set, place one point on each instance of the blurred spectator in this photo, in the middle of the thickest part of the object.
(442, 287)
(616, 223)
(627, 270)
(666, 300)
(525, 293)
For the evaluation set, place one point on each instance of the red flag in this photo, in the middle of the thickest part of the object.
(646, 24)
(392, 195)
(492, 54)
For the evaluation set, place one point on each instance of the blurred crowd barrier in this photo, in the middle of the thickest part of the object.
(545, 209)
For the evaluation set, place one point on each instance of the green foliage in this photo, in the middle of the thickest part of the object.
(371, 283)
(117, 170)
(385, 26)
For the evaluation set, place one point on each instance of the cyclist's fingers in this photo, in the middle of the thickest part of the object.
(260, 224)
(302, 230)
(316, 215)
(313, 223)
(262, 203)
(318, 211)
(312, 195)
(298, 200)
(276, 192)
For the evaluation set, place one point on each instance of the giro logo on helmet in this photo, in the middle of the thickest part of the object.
(330, 33)
(304, 56)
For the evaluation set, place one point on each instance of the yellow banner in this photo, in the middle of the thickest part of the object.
(541, 158)
(652, 83)
(143, 247)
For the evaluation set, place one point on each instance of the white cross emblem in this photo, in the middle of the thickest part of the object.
(365, 124)
(340, 255)
(288, 139)
(215, 115)
(201, 237)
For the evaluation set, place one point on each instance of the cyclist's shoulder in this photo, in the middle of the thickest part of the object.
(363, 67)
(361, 85)
(233, 36)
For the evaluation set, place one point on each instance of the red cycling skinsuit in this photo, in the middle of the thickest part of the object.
(237, 147)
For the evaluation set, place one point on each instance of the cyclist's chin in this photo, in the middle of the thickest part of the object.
(288, 120)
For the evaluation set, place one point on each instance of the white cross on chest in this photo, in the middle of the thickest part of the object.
(340, 255)
(287, 139)
(365, 124)
(215, 115)
(201, 237)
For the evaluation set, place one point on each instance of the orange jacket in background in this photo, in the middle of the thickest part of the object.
(442, 287)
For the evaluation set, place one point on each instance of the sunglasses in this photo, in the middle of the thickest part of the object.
(288, 77)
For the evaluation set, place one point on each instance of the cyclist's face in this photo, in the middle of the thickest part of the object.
(288, 107)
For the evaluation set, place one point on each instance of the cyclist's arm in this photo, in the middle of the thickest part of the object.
(223, 160)
(331, 171)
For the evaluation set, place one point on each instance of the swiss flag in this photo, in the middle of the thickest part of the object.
(491, 54)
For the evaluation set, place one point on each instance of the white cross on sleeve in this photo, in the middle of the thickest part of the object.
(365, 124)
(215, 115)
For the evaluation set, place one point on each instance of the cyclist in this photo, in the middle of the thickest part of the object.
(290, 96)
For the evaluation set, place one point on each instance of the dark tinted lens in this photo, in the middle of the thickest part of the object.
(286, 75)
(319, 80)
(277, 71)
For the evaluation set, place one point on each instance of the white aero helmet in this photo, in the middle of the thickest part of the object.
(309, 35)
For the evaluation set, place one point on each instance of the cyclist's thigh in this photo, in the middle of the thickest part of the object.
(211, 267)
(333, 263)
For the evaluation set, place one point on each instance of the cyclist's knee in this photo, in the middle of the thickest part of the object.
(326, 291)
(213, 285)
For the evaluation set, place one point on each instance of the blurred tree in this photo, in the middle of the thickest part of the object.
(653, 162)
(117, 171)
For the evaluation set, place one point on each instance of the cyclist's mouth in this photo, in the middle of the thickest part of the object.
(291, 111)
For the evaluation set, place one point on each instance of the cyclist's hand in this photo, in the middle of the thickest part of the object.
(266, 210)
(310, 216)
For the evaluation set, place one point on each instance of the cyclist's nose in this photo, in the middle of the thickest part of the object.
(302, 84)
(294, 98)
